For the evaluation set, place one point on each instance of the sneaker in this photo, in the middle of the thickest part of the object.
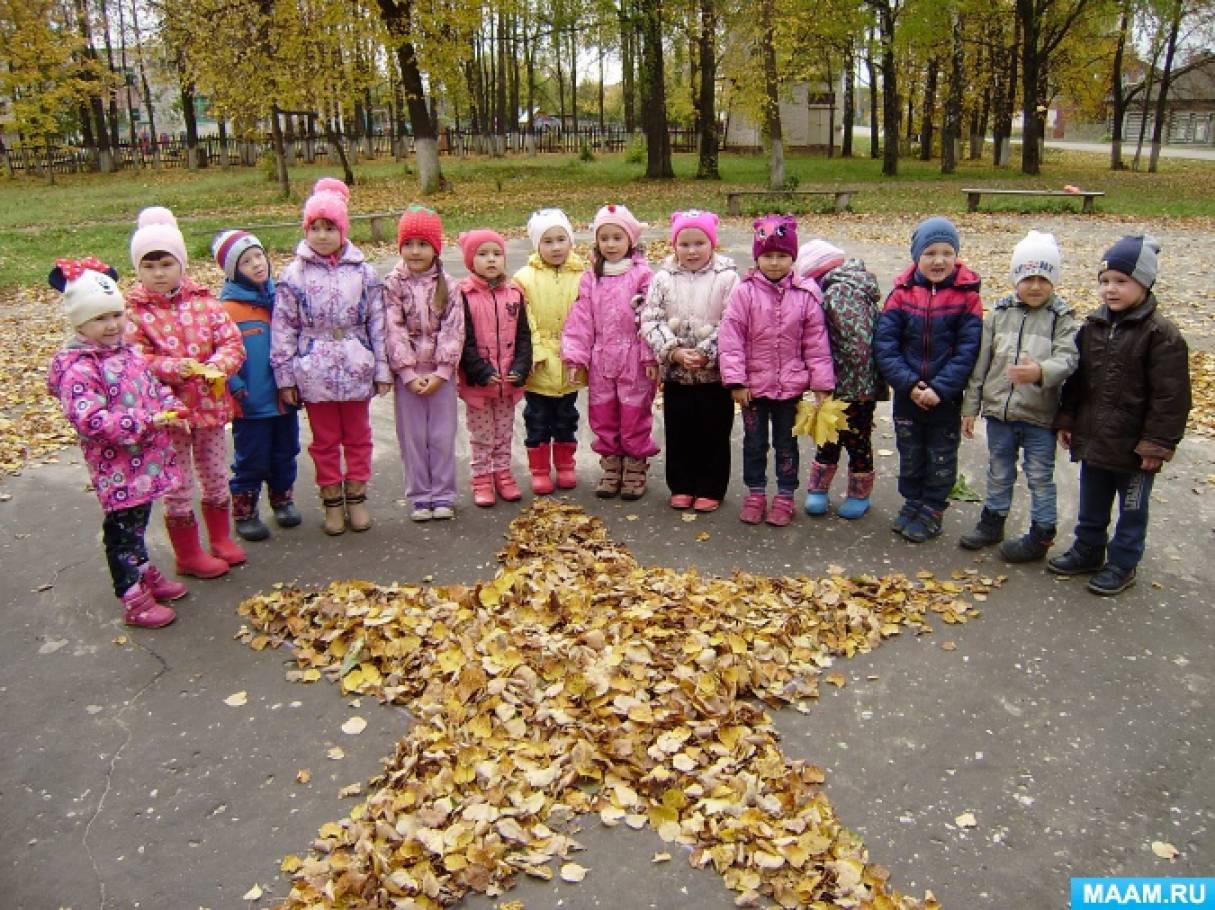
(705, 504)
(925, 526)
(906, 514)
(421, 513)
(1079, 560)
(442, 513)
(1111, 580)
(781, 512)
(753, 508)
(680, 501)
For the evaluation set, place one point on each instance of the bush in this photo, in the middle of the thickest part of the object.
(268, 166)
(636, 151)
(585, 153)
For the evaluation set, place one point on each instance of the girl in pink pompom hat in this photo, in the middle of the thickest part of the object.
(328, 352)
(680, 320)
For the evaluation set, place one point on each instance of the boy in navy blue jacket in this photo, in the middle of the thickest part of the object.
(926, 344)
(264, 436)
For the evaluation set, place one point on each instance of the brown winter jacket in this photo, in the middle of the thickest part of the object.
(1130, 396)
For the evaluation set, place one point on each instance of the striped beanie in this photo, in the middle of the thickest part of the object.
(229, 246)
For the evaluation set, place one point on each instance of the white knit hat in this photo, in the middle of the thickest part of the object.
(1036, 254)
(88, 289)
(542, 220)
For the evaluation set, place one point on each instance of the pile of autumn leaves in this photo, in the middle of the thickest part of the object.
(578, 681)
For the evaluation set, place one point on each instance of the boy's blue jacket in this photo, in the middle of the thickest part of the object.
(253, 388)
(931, 334)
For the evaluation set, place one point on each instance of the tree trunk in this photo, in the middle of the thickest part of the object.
(398, 15)
(602, 123)
(190, 116)
(849, 98)
(1005, 95)
(126, 80)
(112, 105)
(706, 167)
(500, 99)
(101, 135)
(339, 148)
(830, 110)
(574, 77)
(776, 161)
(951, 141)
(875, 150)
(627, 66)
(560, 76)
(658, 138)
(1162, 96)
(1117, 95)
(143, 81)
(1031, 62)
(280, 153)
(890, 94)
(512, 118)
(929, 109)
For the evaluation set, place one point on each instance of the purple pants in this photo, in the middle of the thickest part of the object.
(426, 431)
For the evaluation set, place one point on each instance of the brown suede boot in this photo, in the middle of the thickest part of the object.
(356, 505)
(335, 509)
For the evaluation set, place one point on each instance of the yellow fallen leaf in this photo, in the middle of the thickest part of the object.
(236, 699)
(354, 726)
(611, 816)
(252, 894)
(1165, 850)
(303, 776)
(703, 536)
(291, 863)
(572, 872)
(689, 516)
(839, 680)
(121, 640)
(336, 753)
(661, 858)
(966, 820)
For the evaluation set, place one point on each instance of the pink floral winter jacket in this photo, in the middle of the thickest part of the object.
(327, 333)
(773, 338)
(601, 332)
(419, 340)
(110, 396)
(190, 325)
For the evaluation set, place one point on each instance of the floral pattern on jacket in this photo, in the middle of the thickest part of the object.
(773, 338)
(109, 395)
(419, 340)
(550, 294)
(168, 332)
(852, 303)
(327, 335)
(683, 310)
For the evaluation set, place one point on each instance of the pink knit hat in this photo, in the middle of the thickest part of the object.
(156, 232)
(620, 216)
(420, 223)
(471, 241)
(694, 218)
(328, 201)
(818, 257)
(774, 234)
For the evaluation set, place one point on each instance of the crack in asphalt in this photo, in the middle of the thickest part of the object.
(109, 774)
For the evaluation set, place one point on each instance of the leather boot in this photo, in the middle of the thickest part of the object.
(632, 483)
(335, 509)
(609, 483)
(356, 505)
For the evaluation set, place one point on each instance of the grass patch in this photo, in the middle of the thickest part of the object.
(95, 213)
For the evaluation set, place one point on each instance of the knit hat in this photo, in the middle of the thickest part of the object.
(156, 232)
(421, 223)
(544, 219)
(88, 289)
(229, 246)
(620, 216)
(694, 218)
(818, 257)
(774, 234)
(471, 241)
(1135, 256)
(933, 230)
(328, 201)
(1036, 254)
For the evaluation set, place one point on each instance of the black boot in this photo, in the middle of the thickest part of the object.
(1033, 545)
(989, 530)
(1081, 559)
(285, 512)
(244, 515)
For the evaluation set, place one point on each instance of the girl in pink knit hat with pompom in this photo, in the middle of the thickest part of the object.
(328, 352)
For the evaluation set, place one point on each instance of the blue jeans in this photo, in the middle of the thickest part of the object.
(1004, 439)
(928, 460)
(1098, 487)
(756, 418)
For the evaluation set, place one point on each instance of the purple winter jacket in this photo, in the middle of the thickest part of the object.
(327, 333)
(773, 338)
(420, 341)
(601, 331)
(110, 396)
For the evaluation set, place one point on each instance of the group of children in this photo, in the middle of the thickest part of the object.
(150, 382)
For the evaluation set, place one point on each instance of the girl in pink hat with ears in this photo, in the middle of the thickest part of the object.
(328, 353)
(601, 337)
(194, 347)
(425, 339)
(122, 415)
(680, 319)
(495, 364)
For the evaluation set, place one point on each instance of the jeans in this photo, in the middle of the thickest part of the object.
(550, 418)
(122, 534)
(1098, 487)
(756, 418)
(928, 460)
(1004, 439)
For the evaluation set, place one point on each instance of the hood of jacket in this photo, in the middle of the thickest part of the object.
(242, 291)
(574, 263)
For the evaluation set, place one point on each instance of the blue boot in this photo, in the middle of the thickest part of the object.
(857, 503)
(817, 496)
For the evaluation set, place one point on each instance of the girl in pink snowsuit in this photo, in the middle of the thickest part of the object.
(601, 336)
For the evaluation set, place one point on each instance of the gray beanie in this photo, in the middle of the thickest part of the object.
(1135, 256)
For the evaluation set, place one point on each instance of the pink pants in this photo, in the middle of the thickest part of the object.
(206, 448)
(340, 428)
(491, 427)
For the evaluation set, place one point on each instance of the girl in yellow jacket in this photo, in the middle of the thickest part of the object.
(550, 413)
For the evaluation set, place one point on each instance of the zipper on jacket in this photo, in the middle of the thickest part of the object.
(932, 293)
(1016, 360)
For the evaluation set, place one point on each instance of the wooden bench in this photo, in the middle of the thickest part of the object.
(383, 225)
(975, 192)
(734, 200)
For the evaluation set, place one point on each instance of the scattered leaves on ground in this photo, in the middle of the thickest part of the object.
(1202, 378)
(966, 820)
(1165, 850)
(578, 681)
(237, 699)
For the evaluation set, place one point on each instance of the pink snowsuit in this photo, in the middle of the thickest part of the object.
(601, 337)
(773, 338)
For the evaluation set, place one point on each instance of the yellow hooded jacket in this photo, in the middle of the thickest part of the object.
(550, 296)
